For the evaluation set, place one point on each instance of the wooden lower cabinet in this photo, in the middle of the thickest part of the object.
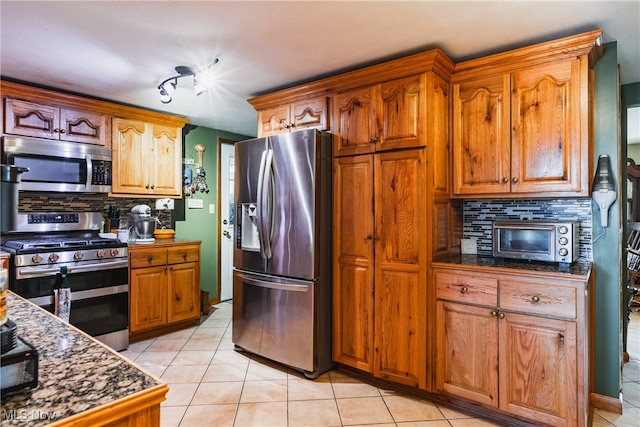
(515, 343)
(164, 285)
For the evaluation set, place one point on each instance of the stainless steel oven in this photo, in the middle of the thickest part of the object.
(97, 271)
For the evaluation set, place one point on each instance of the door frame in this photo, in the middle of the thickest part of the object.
(221, 141)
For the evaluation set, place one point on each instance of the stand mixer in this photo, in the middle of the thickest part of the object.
(143, 224)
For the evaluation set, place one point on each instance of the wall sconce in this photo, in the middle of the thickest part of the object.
(202, 80)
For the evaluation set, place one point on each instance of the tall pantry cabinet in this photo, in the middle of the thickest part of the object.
(387, 194)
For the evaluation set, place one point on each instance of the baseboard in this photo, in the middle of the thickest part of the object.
(606, 403)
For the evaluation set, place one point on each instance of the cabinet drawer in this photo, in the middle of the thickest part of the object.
(147, 258)
(538, 298)
(467, 288)
(184, 254)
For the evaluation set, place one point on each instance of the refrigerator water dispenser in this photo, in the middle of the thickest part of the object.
(248, 238)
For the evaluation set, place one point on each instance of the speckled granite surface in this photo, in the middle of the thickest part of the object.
(75, 373)
(579, 269)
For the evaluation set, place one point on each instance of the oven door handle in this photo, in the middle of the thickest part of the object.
(80, 295)
(28, 272)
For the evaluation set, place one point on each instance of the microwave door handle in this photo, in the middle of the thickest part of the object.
(89, 166)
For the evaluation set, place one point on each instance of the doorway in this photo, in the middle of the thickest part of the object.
(226, 218)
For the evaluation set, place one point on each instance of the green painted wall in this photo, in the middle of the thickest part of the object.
(199, 224)
(607, 248)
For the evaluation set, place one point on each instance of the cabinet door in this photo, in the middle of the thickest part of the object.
(356, 123)
(353, 262)
(184, 291)
(546, 119)
(273, 120)
(31, 119)
(403, 111)
(538, 374)
(401, 237)
(83, 126)
(130, 156)
(481, 136)
(309, 114)
(467, 352)
(165, 173)
(148, 298)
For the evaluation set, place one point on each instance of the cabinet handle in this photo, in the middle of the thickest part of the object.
(153, 186)
(376, 238)
(184, 255)
(514, 179)
(561, 337)
(146, 186)
(369, 237)
(535, 298)
(177, 297)
(464, 290)
(505, 179)
(501, 316)
(374, 140)
(494, 313)
(149, 258)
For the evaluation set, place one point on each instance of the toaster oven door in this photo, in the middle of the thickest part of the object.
(536, 243)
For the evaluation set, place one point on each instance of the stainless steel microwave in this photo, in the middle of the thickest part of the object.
(536, 240)
(59, 166)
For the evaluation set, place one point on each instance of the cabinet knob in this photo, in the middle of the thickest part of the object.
(153, 186)
(369, 237)
(514, 179)
(535, 298)
(505, 179)
(149, 258)
(374, 140)
(464, 290)
(184, 255)
(146, 186)
(501, 316)
(494, 313)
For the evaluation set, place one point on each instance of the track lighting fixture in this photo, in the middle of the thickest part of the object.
(202, 80)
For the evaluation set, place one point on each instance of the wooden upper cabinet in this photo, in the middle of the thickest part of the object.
(32, 119)
(146, 159)
(381, 117)
(546, 149)
(306, 114)
(481, 136)
(521, 121)
(166, 174)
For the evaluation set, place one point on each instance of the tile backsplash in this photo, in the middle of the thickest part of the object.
(478, 214)
(85, 202)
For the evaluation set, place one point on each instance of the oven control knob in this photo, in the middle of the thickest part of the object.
(114, 252)
(563, 240)
(563, 252)
(101, 253)
(37, 258)
(563, 229)
(54, 257)
(78, 256)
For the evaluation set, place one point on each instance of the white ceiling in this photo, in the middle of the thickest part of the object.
(122, 50)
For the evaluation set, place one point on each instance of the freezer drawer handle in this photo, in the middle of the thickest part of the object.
(285, 287)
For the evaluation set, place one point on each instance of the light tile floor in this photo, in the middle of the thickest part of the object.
(210, 384)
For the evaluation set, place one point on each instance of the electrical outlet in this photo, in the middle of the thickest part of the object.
(164, 204)
(212, 208)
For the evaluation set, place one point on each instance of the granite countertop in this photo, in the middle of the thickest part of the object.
(581, 269)
(75, 372)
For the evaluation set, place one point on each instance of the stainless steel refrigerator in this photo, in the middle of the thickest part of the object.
(282, 249)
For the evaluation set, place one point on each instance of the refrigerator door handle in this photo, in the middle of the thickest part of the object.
(264, 204)
(289, 286)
